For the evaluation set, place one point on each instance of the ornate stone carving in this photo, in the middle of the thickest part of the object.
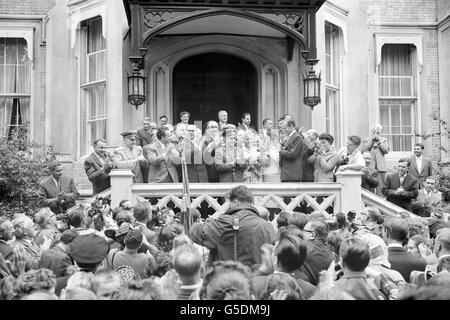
(292, 19)
(155, 18)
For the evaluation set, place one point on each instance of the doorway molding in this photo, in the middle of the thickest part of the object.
(271, 71)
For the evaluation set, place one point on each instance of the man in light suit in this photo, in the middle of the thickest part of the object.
(58, 191)
(229, 158)
(378, 147)
(400, 188)
(292, 154)
(163, 157)
(421, 167)
(97, 167)
(130, 156)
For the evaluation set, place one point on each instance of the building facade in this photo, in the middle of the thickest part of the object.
(66, 62)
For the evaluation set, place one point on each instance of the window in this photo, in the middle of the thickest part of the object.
(397, 87)
(93, 111)
(332, 82)
(15, 84)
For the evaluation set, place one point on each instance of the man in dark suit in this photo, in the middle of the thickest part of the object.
(162, 156)
(97, 167)
(400, 188)
(245, 123)
(146, 134)
(58, 191)
(291, 154)
(369, 179)
(57, 258)
(400, 259)
(319, 255)
(421, 168)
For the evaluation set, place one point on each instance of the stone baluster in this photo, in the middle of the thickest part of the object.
(350, 191)
(121, 181)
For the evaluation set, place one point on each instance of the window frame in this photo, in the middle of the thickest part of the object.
(390, 36)
(86, 86)
(333, 118)
(20, 34)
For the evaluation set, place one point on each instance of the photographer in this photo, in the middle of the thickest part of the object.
(350, 157)
(324, 159)
(378, 147)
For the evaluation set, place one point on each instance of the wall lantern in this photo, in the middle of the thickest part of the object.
(311, 83)
(136, 81)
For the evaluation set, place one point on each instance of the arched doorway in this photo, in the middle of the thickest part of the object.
(206, 83)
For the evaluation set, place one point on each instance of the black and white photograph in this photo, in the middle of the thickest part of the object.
(241, 150)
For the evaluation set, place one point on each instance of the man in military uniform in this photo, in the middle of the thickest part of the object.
(130, 156)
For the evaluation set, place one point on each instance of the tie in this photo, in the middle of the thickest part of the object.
(58, 185)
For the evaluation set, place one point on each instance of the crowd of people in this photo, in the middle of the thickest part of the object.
(140, 252)
(229, 153)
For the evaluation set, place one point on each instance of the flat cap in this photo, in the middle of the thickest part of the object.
(89, 249)
(127, 133)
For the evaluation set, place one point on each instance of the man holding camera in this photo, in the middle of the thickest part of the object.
(378, 147)
(58, 191)
(97, 167)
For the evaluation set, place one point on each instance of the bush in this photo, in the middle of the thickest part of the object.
(23, 163)
(442, 173)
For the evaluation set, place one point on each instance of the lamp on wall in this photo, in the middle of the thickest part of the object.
(311, 82)
(136, 81)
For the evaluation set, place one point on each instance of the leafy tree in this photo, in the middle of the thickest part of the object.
(23, 164)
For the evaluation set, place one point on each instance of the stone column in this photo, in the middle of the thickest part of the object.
(121, 181)
(350, 191)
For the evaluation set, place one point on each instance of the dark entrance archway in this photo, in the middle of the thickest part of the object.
(206, 83)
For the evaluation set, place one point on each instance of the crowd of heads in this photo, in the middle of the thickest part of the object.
(173, 262)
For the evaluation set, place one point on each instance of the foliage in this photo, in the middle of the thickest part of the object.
(442, 173)
(443, 132)
(23, 163)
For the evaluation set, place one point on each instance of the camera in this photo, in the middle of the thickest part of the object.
(95, 211)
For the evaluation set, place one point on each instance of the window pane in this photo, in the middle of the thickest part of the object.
(396, 64)
(406, 87)
(14, 66)
(384, 118)
(384, 87)
(396, 143)
(395, 87)
(92, 96)
(398, 126)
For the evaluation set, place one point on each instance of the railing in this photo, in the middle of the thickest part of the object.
(342, 196)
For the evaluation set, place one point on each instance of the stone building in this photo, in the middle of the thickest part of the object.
(64, 66)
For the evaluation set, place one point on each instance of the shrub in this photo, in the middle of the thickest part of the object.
(23, 163)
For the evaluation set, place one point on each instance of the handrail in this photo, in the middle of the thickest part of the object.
(386, 207)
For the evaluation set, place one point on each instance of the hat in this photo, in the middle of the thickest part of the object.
(127, 133)
(89, 249)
